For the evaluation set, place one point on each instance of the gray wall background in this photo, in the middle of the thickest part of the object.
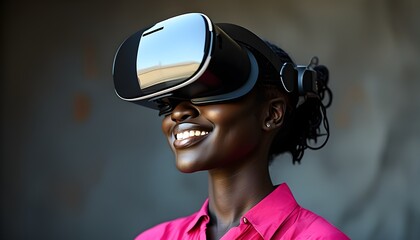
(78, 163)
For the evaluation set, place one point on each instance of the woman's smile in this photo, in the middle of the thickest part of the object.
(188, 134)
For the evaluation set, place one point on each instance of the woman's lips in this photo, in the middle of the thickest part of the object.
(188, 134)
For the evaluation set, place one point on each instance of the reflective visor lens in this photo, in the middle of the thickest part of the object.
(170, 52)
(162, 58)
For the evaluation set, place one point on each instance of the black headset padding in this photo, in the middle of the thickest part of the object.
(246, 37)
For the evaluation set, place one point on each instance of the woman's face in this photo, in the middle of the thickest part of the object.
(205, 137)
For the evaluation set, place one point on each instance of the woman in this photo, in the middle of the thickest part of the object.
(231, 102)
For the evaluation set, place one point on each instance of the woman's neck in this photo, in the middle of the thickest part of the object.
(232, 192)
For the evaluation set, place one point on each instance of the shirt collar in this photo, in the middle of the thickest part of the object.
(266, 216)
(271, 212)
(201, 215)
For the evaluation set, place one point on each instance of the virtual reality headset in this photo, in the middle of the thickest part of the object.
(188, 57)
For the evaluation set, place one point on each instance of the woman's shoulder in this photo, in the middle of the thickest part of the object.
(173, 229)
(309, 225)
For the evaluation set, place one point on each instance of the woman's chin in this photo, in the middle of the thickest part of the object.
(186, 165)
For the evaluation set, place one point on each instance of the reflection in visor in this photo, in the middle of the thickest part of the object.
(160, 74)
(171, 51)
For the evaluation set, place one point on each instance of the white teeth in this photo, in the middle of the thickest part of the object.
(190, 133)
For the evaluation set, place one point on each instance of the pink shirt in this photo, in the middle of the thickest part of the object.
(277, 216)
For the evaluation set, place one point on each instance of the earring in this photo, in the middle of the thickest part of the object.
(268, 124)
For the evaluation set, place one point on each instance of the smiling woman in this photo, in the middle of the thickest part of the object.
(245, 103)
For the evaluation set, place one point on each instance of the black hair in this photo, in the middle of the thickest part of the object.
(305, 119)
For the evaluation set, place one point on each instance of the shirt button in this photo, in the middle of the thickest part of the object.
(245, 220)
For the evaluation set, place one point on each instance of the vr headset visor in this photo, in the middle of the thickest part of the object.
(187, 57)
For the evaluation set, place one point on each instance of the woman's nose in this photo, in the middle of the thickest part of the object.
(183, 111)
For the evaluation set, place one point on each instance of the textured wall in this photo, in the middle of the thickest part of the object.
(77, 163)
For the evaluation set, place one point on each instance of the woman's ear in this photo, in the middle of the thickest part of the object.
(275, 113)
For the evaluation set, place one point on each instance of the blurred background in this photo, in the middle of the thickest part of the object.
(78, 163)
